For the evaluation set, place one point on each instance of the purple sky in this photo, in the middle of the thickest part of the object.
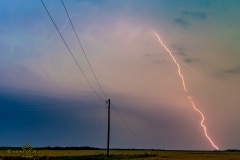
(46, 101)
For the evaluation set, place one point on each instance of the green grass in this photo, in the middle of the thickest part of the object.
(123, 154)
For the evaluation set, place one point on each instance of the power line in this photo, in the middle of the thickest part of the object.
(83, 50)
(90, 66)
(69, 50)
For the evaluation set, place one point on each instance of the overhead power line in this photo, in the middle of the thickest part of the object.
(83, 50)
(90, 66)
(69, 50)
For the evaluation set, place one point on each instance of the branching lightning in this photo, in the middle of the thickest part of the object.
(186, 91)
(63, 27)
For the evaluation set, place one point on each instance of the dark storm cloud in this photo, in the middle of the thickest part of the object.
(37, 115)
(190, 60)
(187, 17)
(235, 70)
(181, 51)
(195, 15)
(182, 22)
(182, 54)
(228, 72)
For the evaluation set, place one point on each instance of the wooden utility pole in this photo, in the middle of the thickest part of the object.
(108, 136)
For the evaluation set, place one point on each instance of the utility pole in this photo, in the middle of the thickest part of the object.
(108, 136)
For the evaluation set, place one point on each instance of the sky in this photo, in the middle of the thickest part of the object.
(45, 99)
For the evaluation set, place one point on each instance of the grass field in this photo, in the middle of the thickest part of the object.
(119, 155)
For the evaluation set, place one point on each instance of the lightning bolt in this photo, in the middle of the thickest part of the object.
(186, 91)
(63, 27)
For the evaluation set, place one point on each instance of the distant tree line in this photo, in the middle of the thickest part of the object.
(69, 148)
(91, 148)
(233, 150)
(53, 148)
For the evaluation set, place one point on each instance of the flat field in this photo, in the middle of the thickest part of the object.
(119, 155)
